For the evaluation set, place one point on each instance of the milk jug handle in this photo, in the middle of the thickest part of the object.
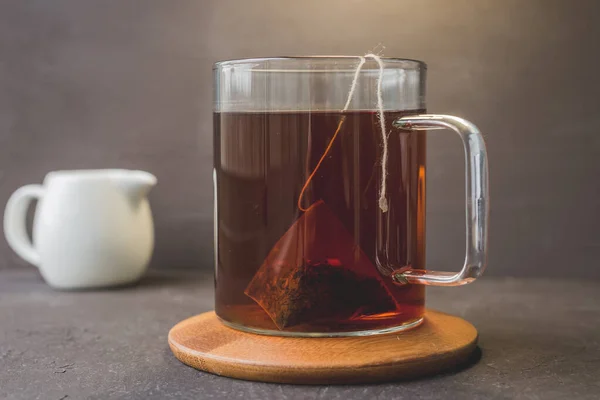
(477, 201)
(14, 222)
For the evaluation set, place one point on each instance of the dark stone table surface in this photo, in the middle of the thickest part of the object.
(539, 339)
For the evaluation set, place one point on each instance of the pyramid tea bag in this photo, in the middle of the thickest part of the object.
(315, 272)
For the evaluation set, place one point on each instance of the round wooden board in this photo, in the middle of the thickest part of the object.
(441, 343)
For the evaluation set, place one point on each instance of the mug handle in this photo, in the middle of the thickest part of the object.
(14, 222)
(477, 201)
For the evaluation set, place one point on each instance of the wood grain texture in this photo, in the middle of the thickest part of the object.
(441, 343)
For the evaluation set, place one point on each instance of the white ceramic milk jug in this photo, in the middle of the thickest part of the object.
(92, 228)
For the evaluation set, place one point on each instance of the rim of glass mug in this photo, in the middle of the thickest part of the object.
(350, 61)
(318, 83)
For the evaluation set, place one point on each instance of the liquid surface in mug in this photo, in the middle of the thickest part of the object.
(320, 263)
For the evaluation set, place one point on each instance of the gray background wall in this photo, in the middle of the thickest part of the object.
(123, 83)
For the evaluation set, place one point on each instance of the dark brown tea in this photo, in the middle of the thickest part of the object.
(317, 260)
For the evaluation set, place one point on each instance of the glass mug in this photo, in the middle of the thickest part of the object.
(303, 244)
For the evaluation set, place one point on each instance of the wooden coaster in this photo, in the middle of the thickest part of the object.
(441, 343)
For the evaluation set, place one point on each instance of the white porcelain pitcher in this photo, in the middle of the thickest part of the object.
(92, 228)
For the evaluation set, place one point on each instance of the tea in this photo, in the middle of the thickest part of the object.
(262, 162)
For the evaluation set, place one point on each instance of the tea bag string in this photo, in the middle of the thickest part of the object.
(337, 131)
(383, 205)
